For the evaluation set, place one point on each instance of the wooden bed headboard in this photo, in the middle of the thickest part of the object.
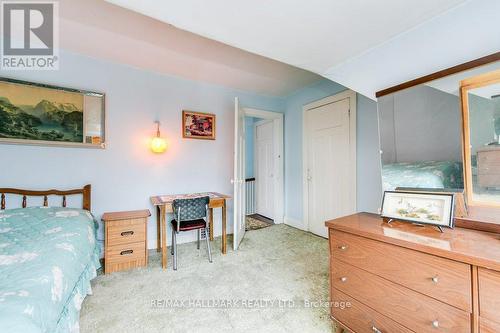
(85, 192)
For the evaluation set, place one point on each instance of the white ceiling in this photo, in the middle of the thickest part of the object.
(365, 45)
(464, 33)
(102, 30)
(313, 34)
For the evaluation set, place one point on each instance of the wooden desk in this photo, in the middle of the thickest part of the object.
(163, 204)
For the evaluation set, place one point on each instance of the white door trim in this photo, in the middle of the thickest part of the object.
(351, 95)
(279, 191)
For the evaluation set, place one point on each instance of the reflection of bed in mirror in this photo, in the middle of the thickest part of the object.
(427, 174)
(420, 139)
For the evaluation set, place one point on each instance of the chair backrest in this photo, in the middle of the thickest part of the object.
(190, 209)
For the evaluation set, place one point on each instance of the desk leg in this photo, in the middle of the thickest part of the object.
(158, 229)
(163, 238)
(211, 222)
(224, 228)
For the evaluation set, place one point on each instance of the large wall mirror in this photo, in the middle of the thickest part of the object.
(422, 133)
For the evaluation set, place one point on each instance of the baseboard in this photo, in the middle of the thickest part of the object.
(294, 223)
(279, 220)
(184, 237)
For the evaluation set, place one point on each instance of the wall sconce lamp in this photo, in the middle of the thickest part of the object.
(158, 144)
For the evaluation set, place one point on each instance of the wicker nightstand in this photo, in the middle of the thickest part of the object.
(125, 244)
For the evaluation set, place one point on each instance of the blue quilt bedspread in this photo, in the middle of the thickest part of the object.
(430, 174)
(47, 258)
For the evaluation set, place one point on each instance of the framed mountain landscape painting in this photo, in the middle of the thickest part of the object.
(32, 113)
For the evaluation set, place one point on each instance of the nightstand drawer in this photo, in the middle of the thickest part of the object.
(126, 233)
(126, 239)
(125, 252)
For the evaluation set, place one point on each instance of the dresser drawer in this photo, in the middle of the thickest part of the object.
(488, 326)
(360, 318)
(126, 232)
(489, 294)
(125, 252)
(489, 159)
(442, 279)
(413, 310)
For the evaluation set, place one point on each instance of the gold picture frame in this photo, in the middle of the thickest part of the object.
(198, 125)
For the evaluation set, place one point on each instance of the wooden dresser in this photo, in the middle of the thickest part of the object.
(125, 243)
(400, 277)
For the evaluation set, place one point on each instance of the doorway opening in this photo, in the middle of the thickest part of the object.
(259, 170)
(259, 181)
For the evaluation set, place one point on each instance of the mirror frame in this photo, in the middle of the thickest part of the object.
(440, 74)
(474, 82)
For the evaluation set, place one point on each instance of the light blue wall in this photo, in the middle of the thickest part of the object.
(126, 173)
(369, 183)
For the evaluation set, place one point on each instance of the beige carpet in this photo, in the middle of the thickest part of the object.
(268, 279)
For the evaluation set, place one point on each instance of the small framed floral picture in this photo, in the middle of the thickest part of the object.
(197, 125)
(418, 207)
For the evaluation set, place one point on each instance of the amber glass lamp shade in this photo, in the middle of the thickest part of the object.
(158, 144)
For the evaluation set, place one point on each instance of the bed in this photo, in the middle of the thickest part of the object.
(48, 255)
(429, 174)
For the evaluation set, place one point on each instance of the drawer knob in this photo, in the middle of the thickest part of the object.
(343, 279)
(435, 279)
(435, 323)
(376, 330)
(126, 252)
(343, 247)
(127, 233)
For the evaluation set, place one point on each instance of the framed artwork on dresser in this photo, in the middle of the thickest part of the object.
(420, 208)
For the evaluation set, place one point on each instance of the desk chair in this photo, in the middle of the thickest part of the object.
(190, 214)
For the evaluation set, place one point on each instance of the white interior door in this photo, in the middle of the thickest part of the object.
(264, 168)
(239, 175)
(328, 164)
